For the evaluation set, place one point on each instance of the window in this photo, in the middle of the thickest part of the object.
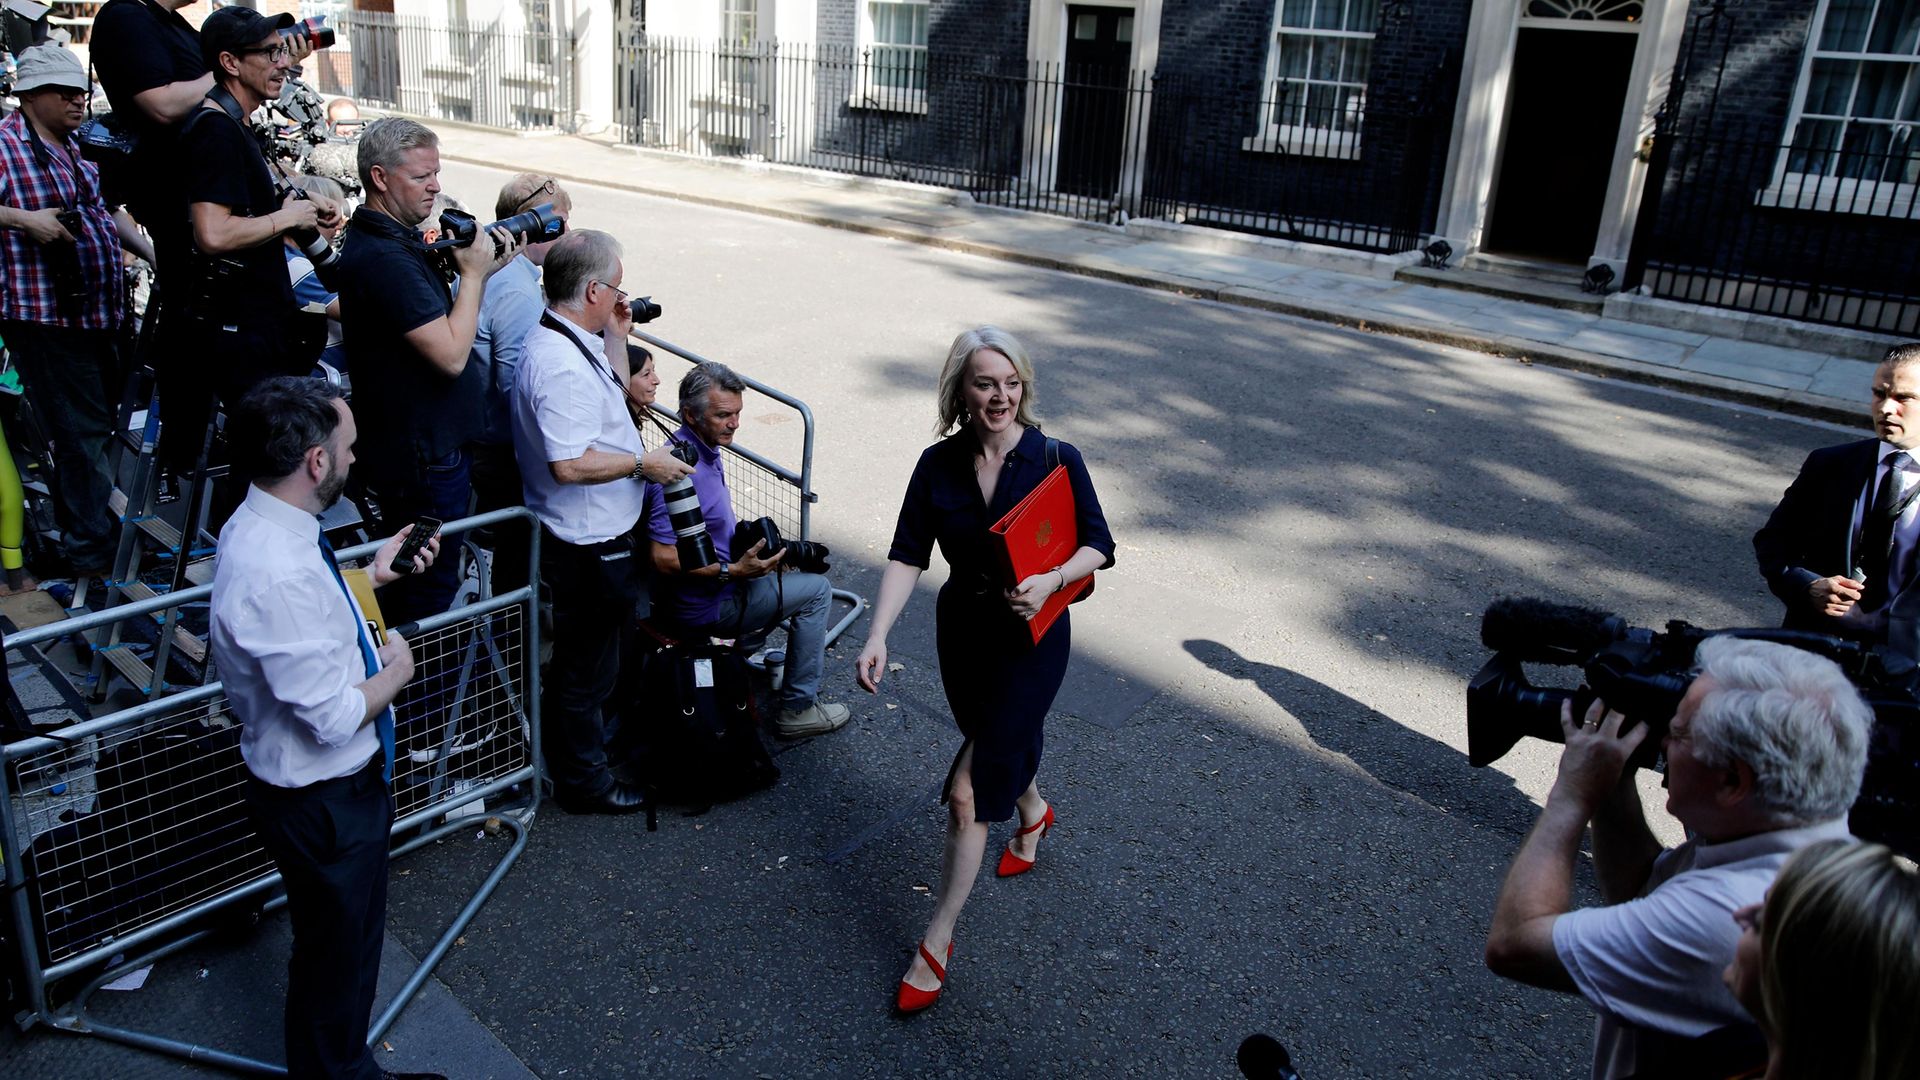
(893, 56)
(1315, 95)
(1851, 144)
(739, 32)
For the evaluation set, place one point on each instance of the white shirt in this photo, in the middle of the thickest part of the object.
(286, 642)
(564, 406)
(1651, 966)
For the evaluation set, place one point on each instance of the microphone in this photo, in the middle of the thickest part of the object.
(1540, 630)
(1263, 1057)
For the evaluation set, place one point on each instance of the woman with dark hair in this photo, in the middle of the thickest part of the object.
(999, 682)
(1830, 965)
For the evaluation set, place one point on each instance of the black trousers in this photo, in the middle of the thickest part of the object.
(329, 841)
(496, 486)
(594, 589)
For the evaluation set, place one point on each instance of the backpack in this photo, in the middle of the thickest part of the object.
(697, 733)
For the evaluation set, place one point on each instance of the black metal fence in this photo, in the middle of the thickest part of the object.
(1085, 142)
(1742, 215)
(521, 80)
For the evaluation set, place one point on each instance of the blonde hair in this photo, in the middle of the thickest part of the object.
(953, 377)
(1840, 964)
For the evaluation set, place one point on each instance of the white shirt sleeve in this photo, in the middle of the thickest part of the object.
(309, 674)
(1656, 961)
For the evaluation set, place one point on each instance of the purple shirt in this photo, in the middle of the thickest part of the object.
(696, 601)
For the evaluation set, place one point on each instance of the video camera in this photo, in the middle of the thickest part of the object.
(460, 229)
(1643, 674)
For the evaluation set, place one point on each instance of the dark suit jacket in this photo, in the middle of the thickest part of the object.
(1810, 536)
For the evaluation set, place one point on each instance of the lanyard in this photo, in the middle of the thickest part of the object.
(599, 364)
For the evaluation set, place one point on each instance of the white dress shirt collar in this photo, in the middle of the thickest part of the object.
(278, 511)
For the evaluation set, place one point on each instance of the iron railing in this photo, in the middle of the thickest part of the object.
(1741, 214)
(1080, 141)
(521, 80)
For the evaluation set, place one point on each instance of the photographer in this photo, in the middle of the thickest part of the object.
(242, 316)
(509, 312)
(408, 340)
(1764, 756)
(744, 594)
(63, 297)
(584, 470)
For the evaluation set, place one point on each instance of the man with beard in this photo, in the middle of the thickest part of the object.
(314, 695)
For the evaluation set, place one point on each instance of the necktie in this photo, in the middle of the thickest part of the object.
(384, 722)
(1876, 545)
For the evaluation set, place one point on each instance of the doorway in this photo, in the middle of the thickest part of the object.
(1093, 100)
(1568, 89)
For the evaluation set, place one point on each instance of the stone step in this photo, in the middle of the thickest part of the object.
(1507, 286)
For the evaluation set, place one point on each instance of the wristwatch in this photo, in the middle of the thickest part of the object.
(726, 573)
(639, 469)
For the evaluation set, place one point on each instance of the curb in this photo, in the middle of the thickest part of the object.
(1793, 402)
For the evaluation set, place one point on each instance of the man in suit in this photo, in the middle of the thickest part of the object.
(1843, 546)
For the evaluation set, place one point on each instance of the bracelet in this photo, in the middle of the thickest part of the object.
(1063, 578)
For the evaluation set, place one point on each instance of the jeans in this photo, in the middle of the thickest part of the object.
(594, 587)
(753, 607)
(73, 378)
(441, 489)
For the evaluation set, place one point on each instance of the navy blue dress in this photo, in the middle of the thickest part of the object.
(998, 682)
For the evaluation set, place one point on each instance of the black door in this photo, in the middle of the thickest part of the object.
(1093, 101)
(1568, 89)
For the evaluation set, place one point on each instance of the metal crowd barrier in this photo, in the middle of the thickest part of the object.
(123, 834)
(762, 487)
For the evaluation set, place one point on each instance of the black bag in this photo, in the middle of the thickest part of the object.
(697, 731)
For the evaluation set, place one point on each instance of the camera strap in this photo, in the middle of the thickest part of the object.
(45, 157)
(599, 364)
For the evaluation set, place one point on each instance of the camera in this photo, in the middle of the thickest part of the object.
(801, 554)
(460, 229)
(1643, 674)
(317, 248)
(70, 292)
(643, 309)
(690, 536)
(318, 34)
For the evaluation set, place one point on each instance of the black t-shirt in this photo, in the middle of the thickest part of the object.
(406, 410)
(137, 46)
(230, 170)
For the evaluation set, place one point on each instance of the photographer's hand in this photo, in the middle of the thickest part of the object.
(1595, 756)
(43, 226)
(751, 565)
(297, 212)
(1835, 595)
(661, 467)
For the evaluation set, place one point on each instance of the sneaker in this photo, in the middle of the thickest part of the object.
(816, 719)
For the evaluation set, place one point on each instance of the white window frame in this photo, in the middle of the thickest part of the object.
(1275, 137)
(1836, 194)
(728, 85)
(868, 94)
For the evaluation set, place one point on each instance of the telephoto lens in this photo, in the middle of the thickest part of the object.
(683, 512)
(315, 30)
(317, 248)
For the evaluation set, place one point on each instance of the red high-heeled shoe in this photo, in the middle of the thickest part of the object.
(1011, 864)
(911, 999)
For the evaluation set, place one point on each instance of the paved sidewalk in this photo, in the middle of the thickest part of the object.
(1831, 385)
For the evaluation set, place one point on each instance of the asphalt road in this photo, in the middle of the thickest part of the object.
(1267, 820)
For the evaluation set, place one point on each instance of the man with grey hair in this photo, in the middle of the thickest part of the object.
(585, 475)
(1764, 755)
(744, 594)
(1842, 549)
(408, 337)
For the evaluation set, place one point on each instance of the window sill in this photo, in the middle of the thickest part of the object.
(900, 101)
(1304, 144)
(1797, 191)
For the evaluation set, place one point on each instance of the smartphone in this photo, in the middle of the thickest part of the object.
(424, 529)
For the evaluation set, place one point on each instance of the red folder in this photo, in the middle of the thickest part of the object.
(1038, 535)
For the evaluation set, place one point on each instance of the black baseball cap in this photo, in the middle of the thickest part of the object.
(232, 29)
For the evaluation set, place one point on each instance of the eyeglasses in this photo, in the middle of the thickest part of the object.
(547, 188)
(620, 294)
(66, 94)
(273, 53)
